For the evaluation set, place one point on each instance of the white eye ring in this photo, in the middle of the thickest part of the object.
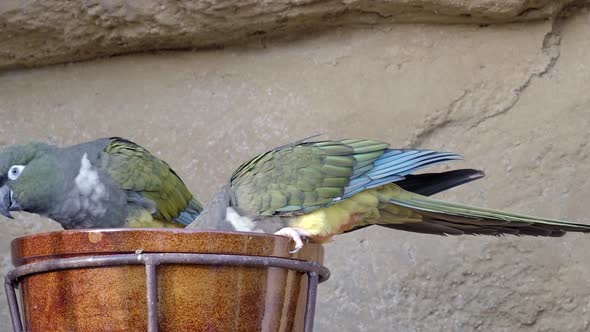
(15, 171)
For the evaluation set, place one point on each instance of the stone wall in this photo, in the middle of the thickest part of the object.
(512, 98)
(54, 31)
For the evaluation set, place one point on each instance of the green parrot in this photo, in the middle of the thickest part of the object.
(320, 189)
(109, 182)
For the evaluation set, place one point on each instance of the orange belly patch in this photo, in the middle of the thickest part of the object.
(353, 219)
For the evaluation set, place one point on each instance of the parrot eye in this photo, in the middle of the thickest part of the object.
(14, 171)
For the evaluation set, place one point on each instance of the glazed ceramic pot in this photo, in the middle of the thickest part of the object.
(188, 297)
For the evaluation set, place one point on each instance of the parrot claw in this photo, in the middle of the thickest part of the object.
(294, 234)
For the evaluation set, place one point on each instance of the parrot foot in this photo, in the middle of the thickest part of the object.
(295, 234)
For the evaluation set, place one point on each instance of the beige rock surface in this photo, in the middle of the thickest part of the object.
(57, 31)
(511, 98)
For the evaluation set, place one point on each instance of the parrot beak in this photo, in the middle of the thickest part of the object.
(7, 202)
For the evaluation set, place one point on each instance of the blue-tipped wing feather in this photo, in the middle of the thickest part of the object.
(191, 212)
(305, 176)
(393, 165)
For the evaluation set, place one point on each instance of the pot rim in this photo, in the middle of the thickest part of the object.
(77, 242)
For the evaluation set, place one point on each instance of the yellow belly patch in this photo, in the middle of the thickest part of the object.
(371, 206)
(143, 219)
(153, 224)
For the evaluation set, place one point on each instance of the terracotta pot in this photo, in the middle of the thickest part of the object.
(189, 297)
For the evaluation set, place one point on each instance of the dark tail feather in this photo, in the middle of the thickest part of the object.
(428, 184)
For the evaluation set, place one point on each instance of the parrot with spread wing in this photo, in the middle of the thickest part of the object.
(316, 190)
(109, 182)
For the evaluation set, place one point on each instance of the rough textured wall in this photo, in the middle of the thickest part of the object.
(57, 31)
(513, 99)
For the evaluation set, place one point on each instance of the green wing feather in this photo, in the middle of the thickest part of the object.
(136, 170)
(301, 177)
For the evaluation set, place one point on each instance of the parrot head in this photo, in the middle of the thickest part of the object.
(28, 175)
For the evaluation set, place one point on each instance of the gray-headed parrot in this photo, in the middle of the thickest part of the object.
(110, 182)
(319, 189)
